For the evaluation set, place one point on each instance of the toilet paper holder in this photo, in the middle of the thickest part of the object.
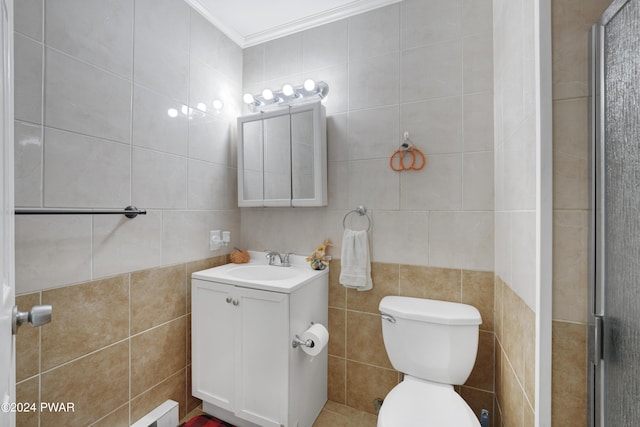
(297, 341)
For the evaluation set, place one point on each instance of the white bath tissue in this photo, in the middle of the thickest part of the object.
(320, 337)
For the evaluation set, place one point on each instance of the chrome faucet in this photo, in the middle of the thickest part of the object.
(284, 258)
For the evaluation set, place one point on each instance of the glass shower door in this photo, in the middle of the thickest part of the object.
(617, 267)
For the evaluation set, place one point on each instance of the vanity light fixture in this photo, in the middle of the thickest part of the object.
(287, 95)
(217, 104)
(288, 90)
(309, 85)
(267, 94)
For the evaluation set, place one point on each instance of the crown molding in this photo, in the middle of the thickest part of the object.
(350, 9)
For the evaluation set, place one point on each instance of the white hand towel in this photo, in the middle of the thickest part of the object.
(355, 263)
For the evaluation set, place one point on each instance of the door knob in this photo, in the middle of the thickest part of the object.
(38, 316)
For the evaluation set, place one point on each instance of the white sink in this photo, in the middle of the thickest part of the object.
(257, 274)
(263, 272)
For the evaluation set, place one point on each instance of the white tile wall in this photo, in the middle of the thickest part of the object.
(323, 46)
(85, 99)
(28, 164)
(161, 46)
(389, 70)
(461, 240)
(283, 57)
(82, 171)
(409, 227)
(121, 245)
(159, 180)
(437, 187)
(523, 256)
(437, 123)
(432, 71)
(478, 121)
(153, 128)
(373, 133)
(337, 77)
(51, 251)
(515, 147)
(373, 81)
(28, 18)
(211, 140)
(100, 36)
(211, 186)
(374, 33)
(478, 63)
(110, 76)
(211, 47)
(427, 22)
(28, 79)
(477, 187)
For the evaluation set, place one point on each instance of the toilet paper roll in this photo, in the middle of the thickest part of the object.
(319, 335)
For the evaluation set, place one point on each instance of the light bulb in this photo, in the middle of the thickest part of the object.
(217, 104)
(287, 90)
(248, 98)
(202, 106)
(267, 94)
(172, 112)
(185, 110)
(309, 85)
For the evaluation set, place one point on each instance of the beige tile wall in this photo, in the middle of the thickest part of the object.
(515, 358)
(572, 20)
(116, 348)
(359, 369)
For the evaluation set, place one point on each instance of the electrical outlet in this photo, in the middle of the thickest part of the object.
(215, 240)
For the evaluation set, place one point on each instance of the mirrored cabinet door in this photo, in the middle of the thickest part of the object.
(302, 155)
(252, 176)
(277, 161)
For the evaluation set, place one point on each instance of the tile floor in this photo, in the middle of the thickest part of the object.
(332, 415)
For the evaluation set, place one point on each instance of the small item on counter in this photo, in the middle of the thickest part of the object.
(239, 256)
(319, 259)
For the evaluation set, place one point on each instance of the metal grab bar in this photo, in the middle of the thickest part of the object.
(129, 212)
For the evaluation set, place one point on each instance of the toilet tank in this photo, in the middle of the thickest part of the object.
(428, 339)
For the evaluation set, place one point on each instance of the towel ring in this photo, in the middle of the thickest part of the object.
(360, 210)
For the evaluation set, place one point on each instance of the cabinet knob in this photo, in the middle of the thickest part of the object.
(228, 300)
(236, 302)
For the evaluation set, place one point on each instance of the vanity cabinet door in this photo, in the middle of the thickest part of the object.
(214, 343)
(263, 348)
(240, 346)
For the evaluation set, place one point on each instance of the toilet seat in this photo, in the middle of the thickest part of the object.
(419, 403)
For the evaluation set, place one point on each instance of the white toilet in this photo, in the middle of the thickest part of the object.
(434, 343)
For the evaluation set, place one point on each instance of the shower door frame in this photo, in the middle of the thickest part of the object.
(595, 367)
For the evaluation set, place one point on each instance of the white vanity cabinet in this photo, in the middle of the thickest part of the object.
(244, 367)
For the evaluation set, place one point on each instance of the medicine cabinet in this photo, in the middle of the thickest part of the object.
(282, 157)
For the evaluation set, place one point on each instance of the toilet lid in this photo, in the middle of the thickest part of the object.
(415, 403)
